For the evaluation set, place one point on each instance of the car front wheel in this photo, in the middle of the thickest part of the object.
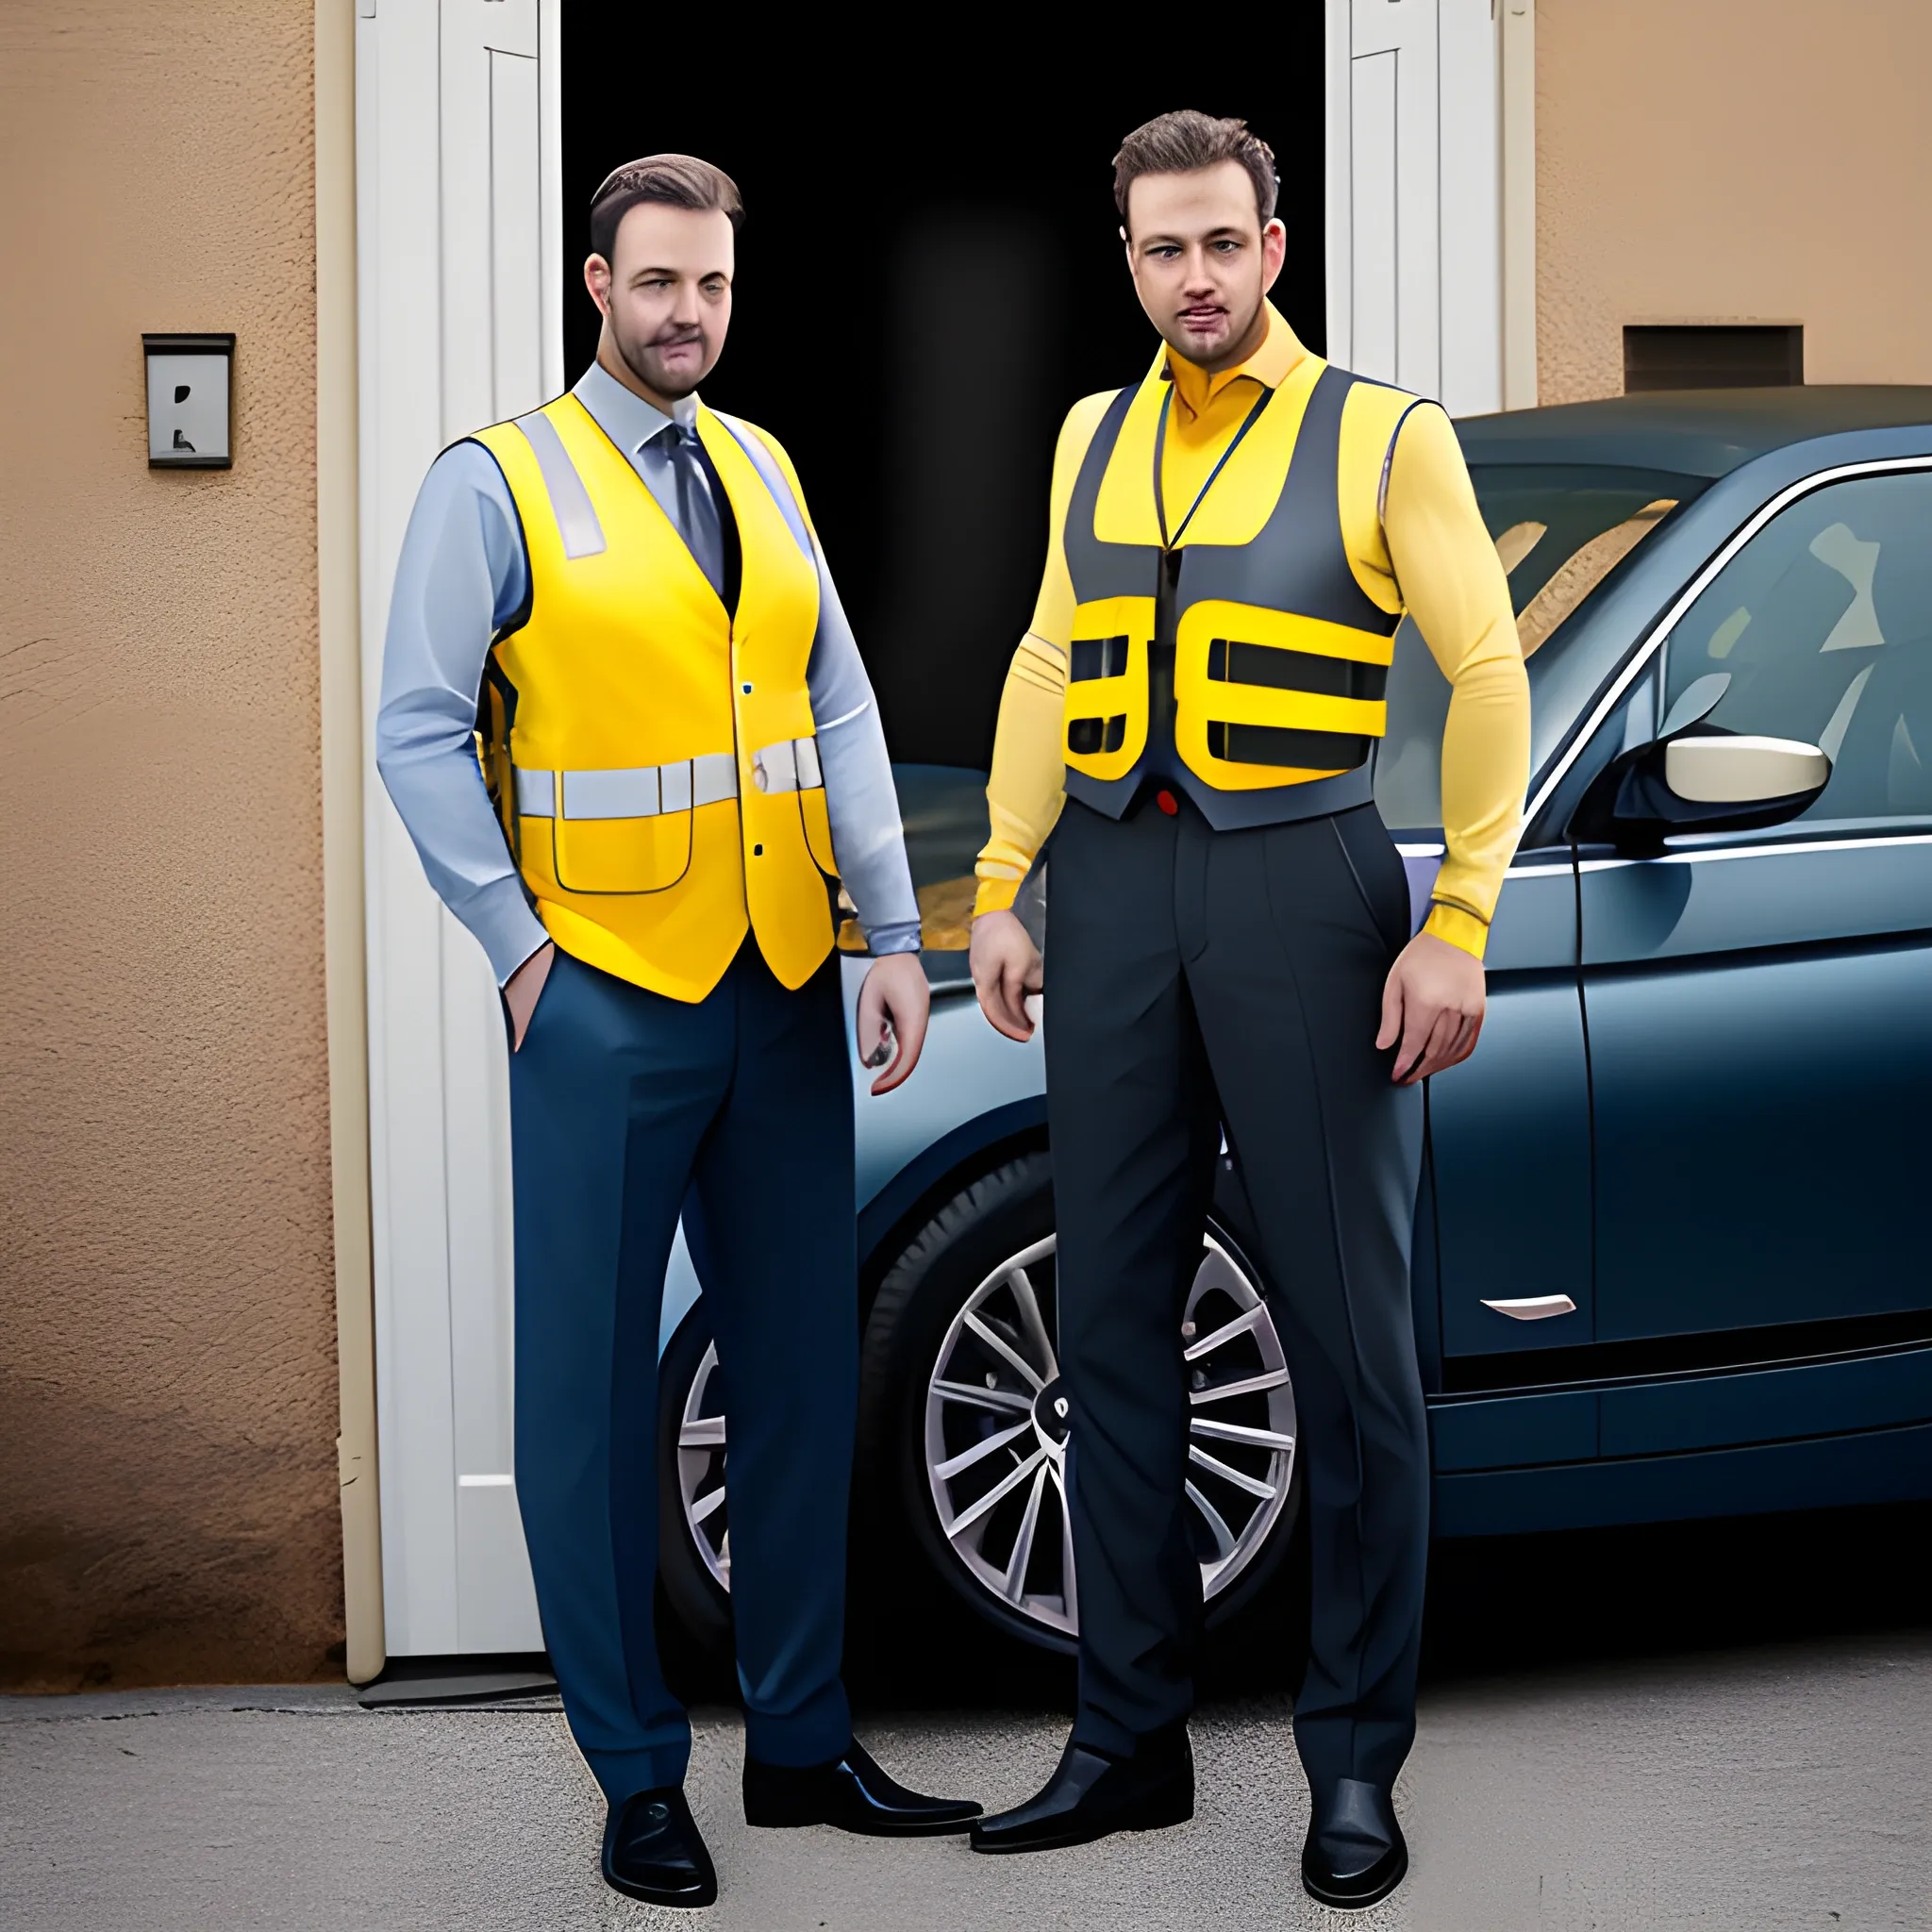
(963, 1431)
(961, 1396)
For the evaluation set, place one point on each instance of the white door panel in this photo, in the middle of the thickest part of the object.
(1413, 213)
(458, 162)
(516, 243)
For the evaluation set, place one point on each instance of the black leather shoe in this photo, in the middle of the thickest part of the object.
(1355, 1855)
(851, 1792)
(1093, 1794)
(653, 1851)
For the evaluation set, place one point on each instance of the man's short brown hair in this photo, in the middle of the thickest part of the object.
(1182, 142)
(675, 181)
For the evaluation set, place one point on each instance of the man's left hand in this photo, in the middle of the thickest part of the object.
(1432, 1002)
(892, 1007)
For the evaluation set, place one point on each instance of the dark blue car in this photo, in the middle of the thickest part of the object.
(1672, 1255)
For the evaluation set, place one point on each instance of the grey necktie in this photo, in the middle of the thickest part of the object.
(696, 515)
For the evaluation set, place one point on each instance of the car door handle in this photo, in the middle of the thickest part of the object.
(1534, 1307)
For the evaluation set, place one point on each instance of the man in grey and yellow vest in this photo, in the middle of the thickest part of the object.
(621, 594)
(1193, 716)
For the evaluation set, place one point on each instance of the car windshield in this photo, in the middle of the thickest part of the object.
(1560, 529)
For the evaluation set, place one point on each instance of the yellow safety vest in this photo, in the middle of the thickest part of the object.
(1234, 656)
(653, 755)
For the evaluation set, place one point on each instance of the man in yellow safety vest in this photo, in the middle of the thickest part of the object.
(625, 590)
(1193, 717)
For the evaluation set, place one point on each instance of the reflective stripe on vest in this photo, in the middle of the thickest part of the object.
(642, 792)
(653, 753)
(1248, 674)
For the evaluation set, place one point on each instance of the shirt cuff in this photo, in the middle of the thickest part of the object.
(500, 918)
(1461, 929)
(996, 895)
(902, 936)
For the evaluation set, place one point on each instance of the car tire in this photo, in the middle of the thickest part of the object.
(1006, 1214)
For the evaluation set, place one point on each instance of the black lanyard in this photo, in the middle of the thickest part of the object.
(1167, 543)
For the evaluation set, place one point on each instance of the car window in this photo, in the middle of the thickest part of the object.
(1560, 530)
(1821, 629)
(943, 809)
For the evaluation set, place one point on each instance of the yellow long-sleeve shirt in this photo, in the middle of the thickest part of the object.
(1426, 551)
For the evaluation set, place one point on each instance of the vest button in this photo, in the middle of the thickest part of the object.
(1167, 802)
(746, 688)
(758, 851)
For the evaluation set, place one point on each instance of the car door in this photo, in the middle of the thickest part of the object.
(1504, 1231)
(1758, 1004)
(1504, 1263)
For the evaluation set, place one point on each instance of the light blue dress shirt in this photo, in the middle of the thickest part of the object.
(464, 572)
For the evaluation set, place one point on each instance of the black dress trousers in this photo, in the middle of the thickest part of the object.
(1198, 979)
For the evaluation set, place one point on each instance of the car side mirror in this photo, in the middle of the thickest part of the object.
(1699, 780)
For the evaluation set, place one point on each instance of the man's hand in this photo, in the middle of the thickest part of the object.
(1006, 968)
(892, 1007)
(521, 990)
(1433, 1003)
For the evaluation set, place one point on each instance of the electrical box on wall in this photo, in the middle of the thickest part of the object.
(190, 383)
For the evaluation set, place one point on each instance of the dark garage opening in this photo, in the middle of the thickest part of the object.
(928, 275)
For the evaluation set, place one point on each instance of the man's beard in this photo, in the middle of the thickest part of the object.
(636, 360)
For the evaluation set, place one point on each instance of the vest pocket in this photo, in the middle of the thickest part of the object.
(608, 856)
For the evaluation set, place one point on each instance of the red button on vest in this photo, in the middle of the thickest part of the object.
(1167, 802)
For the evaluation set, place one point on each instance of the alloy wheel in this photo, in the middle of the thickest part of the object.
(996, 1430)
(701, 1469)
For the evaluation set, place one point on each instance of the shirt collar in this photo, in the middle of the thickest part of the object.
(625, 416)
(1272, 362)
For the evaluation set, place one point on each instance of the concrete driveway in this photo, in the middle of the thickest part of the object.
(1780, 1781)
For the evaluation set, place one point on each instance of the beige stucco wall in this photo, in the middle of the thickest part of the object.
(167, 1385)
(1732, 160)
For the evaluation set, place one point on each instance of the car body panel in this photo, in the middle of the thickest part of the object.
(968, 1076)
(1504, 1432)
(1711, 432)
(1668, 1416)
(1509, 1135)
(1761, 1131)
(1754, 1406)
(1891, 1465)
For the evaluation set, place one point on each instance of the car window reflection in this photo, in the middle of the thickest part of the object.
(1823, 626)
(1582, 570)
(943, 809)
(1562, 531)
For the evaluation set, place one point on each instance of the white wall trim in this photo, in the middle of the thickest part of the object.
(1338, 225)
(1516, 57)
(337, 593)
